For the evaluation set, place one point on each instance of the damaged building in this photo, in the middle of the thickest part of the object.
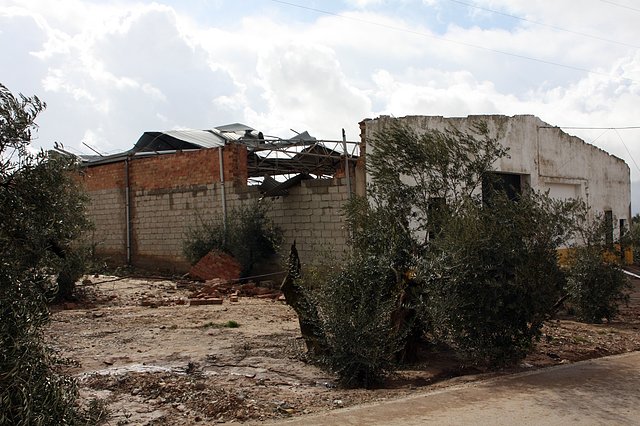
(144, 201)
(541, 157)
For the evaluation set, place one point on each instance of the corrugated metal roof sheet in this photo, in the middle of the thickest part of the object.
(303, 137)
(235, 127)
(201, 138)
(230, 136)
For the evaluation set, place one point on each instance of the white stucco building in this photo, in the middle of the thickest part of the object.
(543, 157)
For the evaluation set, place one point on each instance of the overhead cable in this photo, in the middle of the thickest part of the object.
(595, 37)
(462, 43)
(628, 152)
(620, 5)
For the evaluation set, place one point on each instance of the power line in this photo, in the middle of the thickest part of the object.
(620, 5)
(606, 129)
(545, 25)
(628, 152)
(462, 43)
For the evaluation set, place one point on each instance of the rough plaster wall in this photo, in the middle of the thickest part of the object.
(547, 155)
(602, 179)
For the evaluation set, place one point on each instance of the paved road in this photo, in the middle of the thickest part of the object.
(605, 391)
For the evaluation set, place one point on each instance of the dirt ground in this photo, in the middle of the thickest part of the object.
(155, 359)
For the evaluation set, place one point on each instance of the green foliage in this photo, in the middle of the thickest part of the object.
(380, 232)
(409, 170)
(492, 278)
(355, 306)
(231, 324)
(72, 267)
(429, 257)
(41, 216)
(633, 236)
(249, 238)
(596, 285)
(358, 303)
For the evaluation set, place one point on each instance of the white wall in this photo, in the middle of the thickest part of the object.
(564, 165)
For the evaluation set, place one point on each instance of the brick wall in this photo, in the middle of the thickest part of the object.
(106, 188)
(312, 215)
(173, 192)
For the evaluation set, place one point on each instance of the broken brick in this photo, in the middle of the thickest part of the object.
(216, 264)
(210, 301)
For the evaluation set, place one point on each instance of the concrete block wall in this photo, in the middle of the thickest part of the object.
(173, 193)
(312, 215)
(160, 220)
(106, 188)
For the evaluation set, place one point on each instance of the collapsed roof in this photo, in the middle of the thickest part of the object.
(268, 155)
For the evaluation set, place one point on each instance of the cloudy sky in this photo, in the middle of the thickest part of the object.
(110, 70)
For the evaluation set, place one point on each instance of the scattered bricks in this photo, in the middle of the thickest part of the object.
(210, 301)
(213, 282)
(216, 264)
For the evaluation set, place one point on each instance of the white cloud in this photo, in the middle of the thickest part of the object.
(112, 70)
(305, 88)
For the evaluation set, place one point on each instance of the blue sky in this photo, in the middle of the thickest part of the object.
(110, 70)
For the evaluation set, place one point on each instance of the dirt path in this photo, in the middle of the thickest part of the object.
(184, 365)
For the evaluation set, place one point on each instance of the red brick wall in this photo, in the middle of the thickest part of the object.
(188, 168)
(170, 170)
(107, 176)
(168, 193)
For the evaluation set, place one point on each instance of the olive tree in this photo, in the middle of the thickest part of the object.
(42, 214)
(430, 258)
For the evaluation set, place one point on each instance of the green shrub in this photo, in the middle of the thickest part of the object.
(492, 279)
(596, 285)
(200, 240)
(633, 237)
(355, 306)
(73, 266)
(228, 324)
(363, 325)
(428, 257)
(249, 238)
